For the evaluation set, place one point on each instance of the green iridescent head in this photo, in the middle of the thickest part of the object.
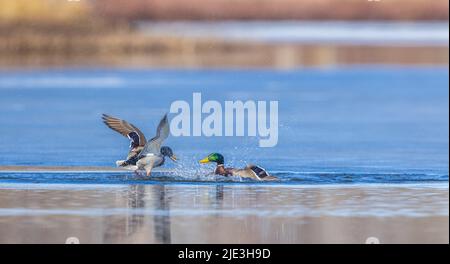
(213, 157)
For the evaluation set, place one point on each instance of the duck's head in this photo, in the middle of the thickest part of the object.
(167, 151)
(213, 157)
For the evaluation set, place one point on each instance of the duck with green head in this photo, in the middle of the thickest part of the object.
(251, 171)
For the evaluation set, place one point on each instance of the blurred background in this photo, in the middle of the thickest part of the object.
(280, 34)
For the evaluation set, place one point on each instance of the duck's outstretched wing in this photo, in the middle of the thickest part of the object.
(126, 129)
(154, 144)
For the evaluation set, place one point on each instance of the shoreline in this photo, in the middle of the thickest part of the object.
(207, 53)
(282, 45)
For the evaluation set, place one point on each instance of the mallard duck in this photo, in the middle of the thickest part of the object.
(143, 155)
(136, 137)
(250, 171)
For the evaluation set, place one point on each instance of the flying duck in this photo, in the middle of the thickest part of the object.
(143, 155)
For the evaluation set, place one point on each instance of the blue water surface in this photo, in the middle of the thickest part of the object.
(363, 124)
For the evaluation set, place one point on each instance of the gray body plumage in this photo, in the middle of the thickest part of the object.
(151, 156)
(150, 161)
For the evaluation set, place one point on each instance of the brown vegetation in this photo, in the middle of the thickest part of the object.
(273, 9)
(100, 32)
(130, 50)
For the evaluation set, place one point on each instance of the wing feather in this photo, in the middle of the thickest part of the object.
(162, 132)
(123, 127)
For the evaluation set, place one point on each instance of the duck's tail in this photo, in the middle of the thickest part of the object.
(261, 173)
(119, 163)
(124, 164)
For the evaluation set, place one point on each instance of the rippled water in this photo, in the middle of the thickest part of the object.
(204, 176)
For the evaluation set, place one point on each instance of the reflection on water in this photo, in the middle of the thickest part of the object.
(162, 222)
(182, 213)
(132, 222)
